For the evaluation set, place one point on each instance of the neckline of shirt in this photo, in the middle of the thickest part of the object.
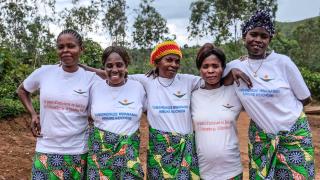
(256, 61)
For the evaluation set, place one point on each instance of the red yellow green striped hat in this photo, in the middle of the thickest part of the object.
(163, 49)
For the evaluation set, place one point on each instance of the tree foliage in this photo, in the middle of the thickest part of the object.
(149, 26)
(215, 17)
(307, 37)
(115, 20)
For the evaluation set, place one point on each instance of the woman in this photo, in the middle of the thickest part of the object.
(171, 152)
(215, 109)
(116, 107)
(61, 131)
(280, 142)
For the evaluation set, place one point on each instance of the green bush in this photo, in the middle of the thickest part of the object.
(312, 80)
(14, 108)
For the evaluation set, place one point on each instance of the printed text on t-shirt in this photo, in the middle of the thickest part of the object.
(259, 92)
(171, 109)
(64, 106)
(212, 125)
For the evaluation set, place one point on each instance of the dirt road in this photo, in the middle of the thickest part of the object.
(17, 145)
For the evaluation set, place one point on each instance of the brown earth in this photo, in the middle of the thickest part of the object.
(17, 145)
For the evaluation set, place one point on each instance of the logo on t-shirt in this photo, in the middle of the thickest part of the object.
(179, 94)
(79, 91)
(266, 78)
(228, 106)
(125, 102)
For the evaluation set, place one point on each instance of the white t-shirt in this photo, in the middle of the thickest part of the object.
(169, 107)
(214, 115)
(64, 99)
(273, 102)
(117, 109)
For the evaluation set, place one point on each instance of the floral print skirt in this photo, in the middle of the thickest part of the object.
(287, 155)
(58, 167)
(237, 177)
(113, 156)
(171, 156)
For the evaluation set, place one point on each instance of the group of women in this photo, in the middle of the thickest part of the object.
(192, 132)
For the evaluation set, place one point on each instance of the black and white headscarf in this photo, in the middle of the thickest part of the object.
(260, 19)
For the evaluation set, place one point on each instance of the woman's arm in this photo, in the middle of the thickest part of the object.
(101, 73)
(25, 98)
(234, 75)
(306, 101)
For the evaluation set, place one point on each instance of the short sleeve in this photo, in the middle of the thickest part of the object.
(233, 64)
(193, 80)
(296, 81)
(33, 81)
(142, 78)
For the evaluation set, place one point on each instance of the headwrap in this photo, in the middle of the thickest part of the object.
(260, 19)
(163, 49)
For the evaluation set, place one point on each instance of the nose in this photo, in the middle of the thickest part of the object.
(258, 39)
(175, 64)
(210, 69)
(65, 49)
(114, 69)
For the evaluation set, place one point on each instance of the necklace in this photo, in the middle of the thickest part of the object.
(166, 85)
(115, 93)
(256, 71)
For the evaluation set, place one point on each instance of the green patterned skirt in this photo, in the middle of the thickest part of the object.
(58, 167)
(113, 156)
(238, 177)
(171, 156)
(287, 155)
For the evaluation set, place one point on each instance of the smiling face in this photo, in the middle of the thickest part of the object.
(211, 71)
(69, 52)
(115, 69)
(168, 66)
(257, 41)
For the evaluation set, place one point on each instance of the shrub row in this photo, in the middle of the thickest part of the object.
(312, 80)
(13, 108)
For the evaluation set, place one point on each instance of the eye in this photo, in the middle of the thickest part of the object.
(120, 65)
(205, 66)
(71, 46)
(253, 34)
(265, 36)
(60, 47)
(109, 66)
(215, 66)
(169, 60)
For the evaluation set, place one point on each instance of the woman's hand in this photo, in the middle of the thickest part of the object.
(236, 74)
(101, 73)
(35, 125)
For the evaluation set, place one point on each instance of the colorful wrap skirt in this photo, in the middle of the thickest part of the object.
(171, 156)
(238, 177)
(58, 167)
(113, 156)
(287, 155)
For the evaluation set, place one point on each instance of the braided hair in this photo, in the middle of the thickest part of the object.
(75, 35)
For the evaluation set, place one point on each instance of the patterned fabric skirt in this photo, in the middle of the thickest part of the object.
(171, 156)
(287, 155)
(113, 156)
(238, 177)
(58, 167)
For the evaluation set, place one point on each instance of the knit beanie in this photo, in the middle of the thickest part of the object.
(163, 49)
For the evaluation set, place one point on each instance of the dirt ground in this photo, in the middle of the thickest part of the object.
(17, 145)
